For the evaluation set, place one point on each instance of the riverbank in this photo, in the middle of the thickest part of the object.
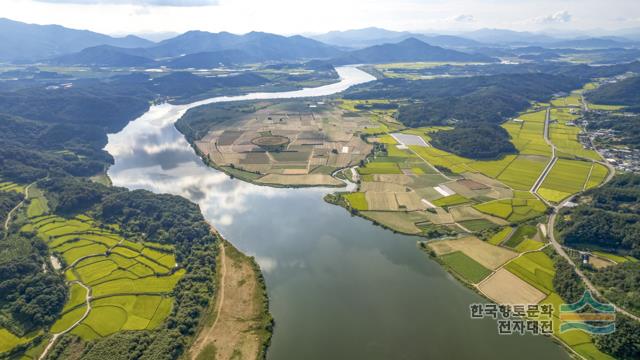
(323, 269)
(238, 324)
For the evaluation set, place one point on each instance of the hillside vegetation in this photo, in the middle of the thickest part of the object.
(607, 217)
(625, 92)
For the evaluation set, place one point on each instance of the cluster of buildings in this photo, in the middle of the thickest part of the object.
(622, 157)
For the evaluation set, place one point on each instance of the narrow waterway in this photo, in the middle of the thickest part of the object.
(340, 287)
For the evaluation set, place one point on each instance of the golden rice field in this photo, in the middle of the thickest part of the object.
(568, 177)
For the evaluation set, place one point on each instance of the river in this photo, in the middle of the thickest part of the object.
(339, 287)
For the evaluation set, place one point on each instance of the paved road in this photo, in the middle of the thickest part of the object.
(556, 208)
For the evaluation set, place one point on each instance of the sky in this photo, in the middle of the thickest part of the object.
(316, 16)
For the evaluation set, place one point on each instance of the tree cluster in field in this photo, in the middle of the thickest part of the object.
(30, 293)
(625, 92)
(197, 122)
(620, 284)
(566, 282)
(475, 141)
(624, 343)
(607, 217)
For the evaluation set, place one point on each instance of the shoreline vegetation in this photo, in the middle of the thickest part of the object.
(237, 324)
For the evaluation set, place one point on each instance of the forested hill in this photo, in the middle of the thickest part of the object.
(607, 217)
(409, 50)
(475, 141)
(468, 99)
(55, 135)
(625, 92)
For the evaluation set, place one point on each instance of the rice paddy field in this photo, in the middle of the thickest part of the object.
(130, 282)
(568, 177)
(513, 210)
(9, 341)
(500, 236)
(466, 267)
(536, 268)
(481, 194)
(11, 186)
(571, 100)
(564, 134)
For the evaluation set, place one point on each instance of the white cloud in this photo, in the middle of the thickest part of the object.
(176, 3)
(559, 17)
(464, 18)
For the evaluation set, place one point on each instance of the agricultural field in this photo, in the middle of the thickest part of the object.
(411, 71)
(489, 256)
(536, 268)
(8, 340)
(289, 143)
(500, 236)
(505, 288)
(11, 186)
(466, 267)
(130, 282)
(407, 175)
(564, 131)
(514, 210)
(573, 100)
(522, 233)
(618, 259)
(567, 177)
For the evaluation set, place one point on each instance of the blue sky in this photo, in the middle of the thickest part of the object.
(306, 16)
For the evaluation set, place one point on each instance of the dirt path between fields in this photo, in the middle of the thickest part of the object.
(235, 328)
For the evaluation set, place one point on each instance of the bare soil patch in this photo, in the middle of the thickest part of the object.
(504, 287)
(235, 325)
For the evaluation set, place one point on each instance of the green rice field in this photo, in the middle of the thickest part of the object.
(131, 282)
(567, 177)
(536, 268)
(465, 266)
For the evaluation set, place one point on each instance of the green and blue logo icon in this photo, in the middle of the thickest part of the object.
(600, 321)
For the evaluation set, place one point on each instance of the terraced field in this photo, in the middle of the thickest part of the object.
(11, 186)
(129, 283)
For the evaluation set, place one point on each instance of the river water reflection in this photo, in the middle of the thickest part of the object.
(339, 287)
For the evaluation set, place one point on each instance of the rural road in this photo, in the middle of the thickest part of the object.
(556, 208)
(552, 161)
(200, 341)
(223, 256)
(10, 214)
(84, 316)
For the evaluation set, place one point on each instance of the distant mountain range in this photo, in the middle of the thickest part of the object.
(474, 39)
(375, 36)
(408, 50)
(28, 43)
(199, 49)
(20, 42)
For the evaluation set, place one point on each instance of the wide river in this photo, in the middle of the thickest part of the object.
(340, 287)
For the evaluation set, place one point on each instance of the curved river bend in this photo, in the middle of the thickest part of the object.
(339, 287)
